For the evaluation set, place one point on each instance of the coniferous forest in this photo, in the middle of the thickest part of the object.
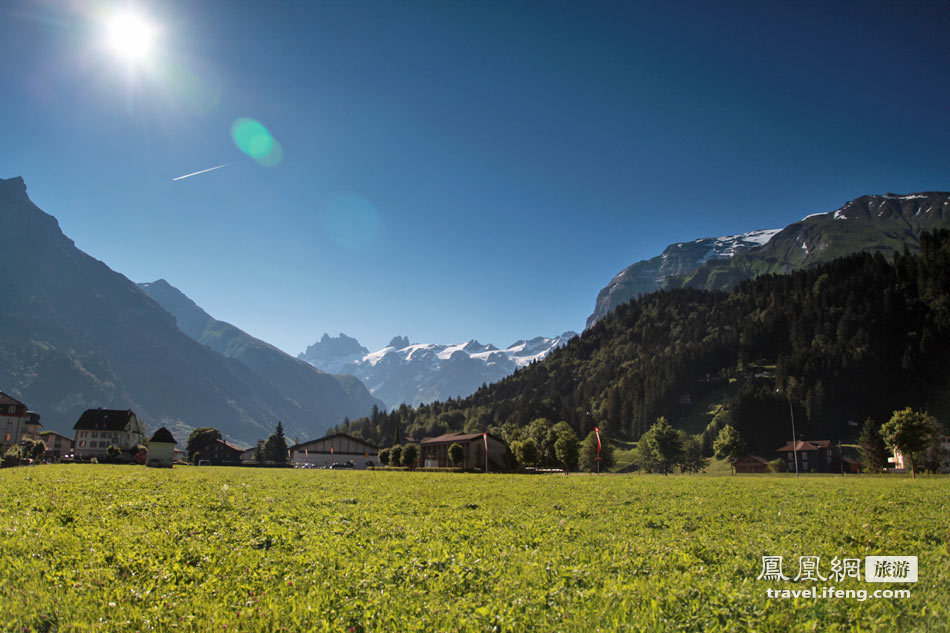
(853, 339)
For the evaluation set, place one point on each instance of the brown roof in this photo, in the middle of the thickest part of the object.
(754, 458)
(805, 445)
(448, 438)
(5, 399)
(231, 446)
(48, 433)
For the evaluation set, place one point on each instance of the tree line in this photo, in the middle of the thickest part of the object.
(857, 338)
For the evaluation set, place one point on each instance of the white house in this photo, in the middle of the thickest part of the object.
(98, 429)
(161, 449)
(13, 421)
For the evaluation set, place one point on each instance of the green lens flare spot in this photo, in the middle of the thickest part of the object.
(252, 138)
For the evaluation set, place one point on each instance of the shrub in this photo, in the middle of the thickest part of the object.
(778, 465)
(11, 457)
(409, 455)
(395, 456)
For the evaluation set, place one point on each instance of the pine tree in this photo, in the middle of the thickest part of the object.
(871, 447)
(275, 450)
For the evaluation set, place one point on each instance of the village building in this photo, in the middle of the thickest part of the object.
(816, 456)
(57, 445)
(13, 421)
(220, 453)
(899, 462)
(435, 451)
(254, 454)
(338, 448)
(161, 449)
(31, 429)
(98, 429)
(751, 464)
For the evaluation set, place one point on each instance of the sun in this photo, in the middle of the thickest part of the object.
(131, 37)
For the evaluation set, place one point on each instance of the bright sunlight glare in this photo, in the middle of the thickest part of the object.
(131, 36)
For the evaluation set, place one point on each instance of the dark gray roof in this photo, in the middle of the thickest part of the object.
(108, 419)
(163, 436)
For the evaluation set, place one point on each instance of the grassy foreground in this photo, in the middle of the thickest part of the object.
(119, 548)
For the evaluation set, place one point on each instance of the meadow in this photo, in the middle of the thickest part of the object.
(122, 548)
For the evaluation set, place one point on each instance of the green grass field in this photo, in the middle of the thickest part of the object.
(121, 548)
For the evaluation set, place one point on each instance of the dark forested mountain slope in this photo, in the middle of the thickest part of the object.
(859, 336)
(874, 224)
(75, 334)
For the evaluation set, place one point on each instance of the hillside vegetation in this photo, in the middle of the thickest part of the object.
(858, 337)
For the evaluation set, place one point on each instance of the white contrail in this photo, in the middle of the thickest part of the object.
(200, 172)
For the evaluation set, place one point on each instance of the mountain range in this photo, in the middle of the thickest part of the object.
(834, 345)
(415, 374)
(75, 334)
(875, 223)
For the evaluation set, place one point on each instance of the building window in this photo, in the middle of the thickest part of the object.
(82, 444)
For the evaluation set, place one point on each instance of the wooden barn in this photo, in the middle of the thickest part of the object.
(435, 451)
(751, 464)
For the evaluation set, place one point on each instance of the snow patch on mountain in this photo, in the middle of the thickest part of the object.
(423, 372)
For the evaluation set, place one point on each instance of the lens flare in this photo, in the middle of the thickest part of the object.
(252, 138)
(351, 221)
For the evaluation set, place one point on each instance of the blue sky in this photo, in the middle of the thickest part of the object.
(456, 170)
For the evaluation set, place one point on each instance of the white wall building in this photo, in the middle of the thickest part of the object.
(338, 448)
(161, 449)
(98, 429)
(13, 419)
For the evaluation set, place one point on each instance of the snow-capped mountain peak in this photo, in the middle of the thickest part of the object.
(423, 372)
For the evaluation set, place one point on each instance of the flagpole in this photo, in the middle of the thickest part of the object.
(597, 433)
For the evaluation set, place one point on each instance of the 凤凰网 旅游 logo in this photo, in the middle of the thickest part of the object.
(890, 569)
(811, 569)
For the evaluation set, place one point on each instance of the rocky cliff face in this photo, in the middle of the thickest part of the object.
(677, 259)
(874, 223)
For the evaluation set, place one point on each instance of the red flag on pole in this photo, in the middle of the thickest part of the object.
(597, 433)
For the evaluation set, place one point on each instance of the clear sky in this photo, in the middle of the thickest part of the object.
(454, 170)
